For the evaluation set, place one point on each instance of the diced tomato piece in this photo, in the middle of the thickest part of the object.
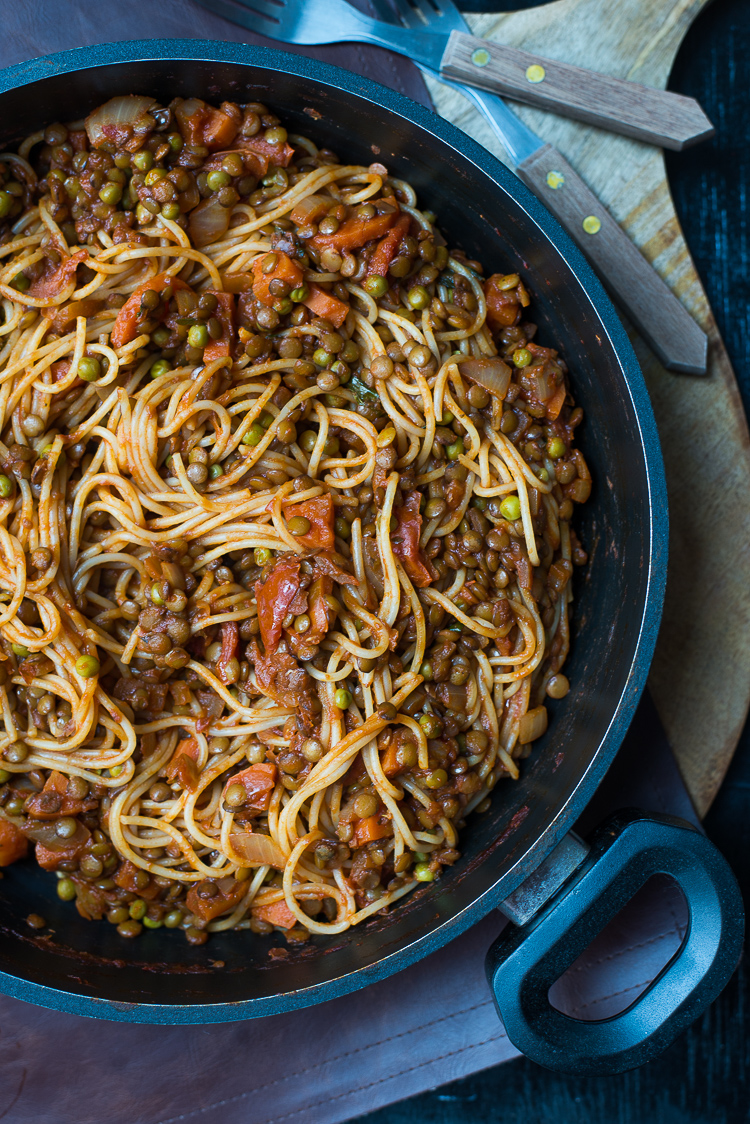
(386, 250)
(228, 893)
(125, 878)
(277, 913)
(205, 126)
(126, 325)
(183, 766)
(53, 800)
(284, 269)
(389, 760)
(326, 305)
(318, 610)
(405, 541)
(370, 829)
(258, 782)
(220, 348)
(49, 286)
(354, 233)
(229, 640)
(274, 596)
(555, 404)
(13, 843)
(319, 511)
(503, 306)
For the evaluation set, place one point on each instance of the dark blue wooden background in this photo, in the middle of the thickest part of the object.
(704, 1078)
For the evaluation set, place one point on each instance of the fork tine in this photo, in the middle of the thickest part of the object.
(417, 13)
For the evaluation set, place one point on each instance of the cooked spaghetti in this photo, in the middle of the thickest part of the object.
(285, 545)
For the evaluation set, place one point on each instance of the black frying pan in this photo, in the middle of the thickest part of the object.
(518, 853)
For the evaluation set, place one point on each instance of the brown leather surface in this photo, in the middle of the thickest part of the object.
(431, 1023)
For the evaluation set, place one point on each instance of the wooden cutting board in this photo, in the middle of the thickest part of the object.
(699, 680)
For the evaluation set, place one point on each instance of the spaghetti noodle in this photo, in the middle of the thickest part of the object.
(285, 545)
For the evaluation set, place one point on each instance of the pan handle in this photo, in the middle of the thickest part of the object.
(526, 960)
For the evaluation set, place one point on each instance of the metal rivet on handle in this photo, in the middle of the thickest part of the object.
(591, 224)
(480, 57)
(555, 180)
(536, 73)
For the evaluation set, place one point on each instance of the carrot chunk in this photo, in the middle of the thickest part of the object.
(277, 913)
(326, 305)
(282, 269)
(13, 844)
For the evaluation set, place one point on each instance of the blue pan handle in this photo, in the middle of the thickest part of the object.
(525, 961)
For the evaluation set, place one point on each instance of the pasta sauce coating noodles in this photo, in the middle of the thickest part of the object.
(285, 547)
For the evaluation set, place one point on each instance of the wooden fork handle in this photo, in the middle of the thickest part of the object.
(669, 120)
(663, 321)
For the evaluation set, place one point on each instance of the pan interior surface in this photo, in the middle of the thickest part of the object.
(86, 967)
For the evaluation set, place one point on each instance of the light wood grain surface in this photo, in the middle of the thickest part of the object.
(699, 677)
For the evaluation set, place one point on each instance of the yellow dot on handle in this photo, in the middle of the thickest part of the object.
(480, 57)
(555, 180)
(536, 73)
(591, 224)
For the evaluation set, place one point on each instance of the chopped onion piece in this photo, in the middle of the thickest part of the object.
(208, 222)
(124, 122)
(260, 849)
(490, 371)
(532, 725)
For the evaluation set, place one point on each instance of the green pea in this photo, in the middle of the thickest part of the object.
(89, 368)
(5, 776)
(6, 486)
(332, 447)
(154, 176)
(522, 357)
(376, 286)
(447, 418)
(215, 471)
(480, 503)
(422, 873)
(216, 180)
(266, 419)
(510, 508)
(21, 282)
(454, 451)
(321, 357)
(20, 650)
(160, 336)
(254, 435)
(137, 909)
(87, 666)
(172, 919)
(66, 889)
(6, 202)
(151, 923)
(116, 770)
(307, 440)
(342, 528)
(436, 779)
(343, 698)
(175, 142)
(198, 335)
(159, 368)
(426, 670)
(111, 193)
(299, 526)
(543, 475)
(156, 596)
(169, 211)
(556, 447)
(431, 725)
(418, 297)
(143, 160)
(262, 555)
(300, 294)
(283, 305)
